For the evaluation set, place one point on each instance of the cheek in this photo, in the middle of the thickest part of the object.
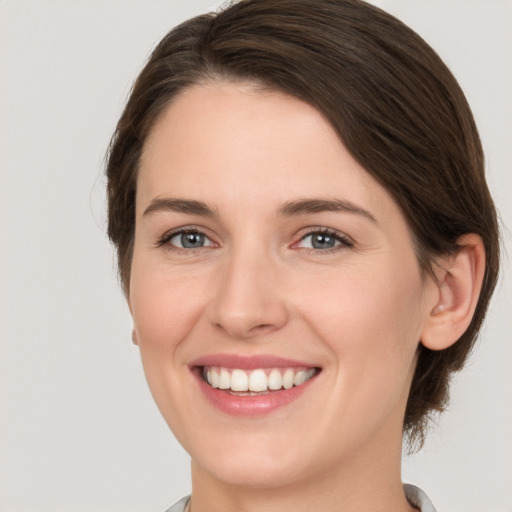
(369, 318)
(370, 323)
(165, 305)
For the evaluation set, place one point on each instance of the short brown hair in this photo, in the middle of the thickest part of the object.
(395, 105)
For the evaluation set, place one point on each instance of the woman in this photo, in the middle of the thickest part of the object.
(307, 246)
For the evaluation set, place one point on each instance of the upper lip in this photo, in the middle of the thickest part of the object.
(249, 362)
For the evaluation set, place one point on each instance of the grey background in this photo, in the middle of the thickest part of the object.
(78, 428)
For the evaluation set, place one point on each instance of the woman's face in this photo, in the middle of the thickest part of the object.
(265, 255)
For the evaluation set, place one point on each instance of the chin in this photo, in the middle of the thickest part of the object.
(258, 461)
(252, 472)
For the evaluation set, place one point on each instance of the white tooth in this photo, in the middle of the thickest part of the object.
(299, 378)
(224, 379)
(258, 381)
(215, 378)
(239, 380)
(209, 376)
(310, 373)
(275, 380)
(288, 378)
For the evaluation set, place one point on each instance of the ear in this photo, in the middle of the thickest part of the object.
(456, 291)
(135, 340)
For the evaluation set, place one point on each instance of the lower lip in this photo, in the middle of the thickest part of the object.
(254, 405)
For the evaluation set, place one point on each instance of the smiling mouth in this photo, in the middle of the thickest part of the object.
(258, 381)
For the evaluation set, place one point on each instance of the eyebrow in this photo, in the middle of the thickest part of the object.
(305, 206)
(288, 209)
(180, 206)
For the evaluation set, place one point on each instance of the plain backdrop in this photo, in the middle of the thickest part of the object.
(78, 428)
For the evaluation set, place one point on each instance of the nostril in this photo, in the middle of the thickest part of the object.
(245, 308)
(262, 327)
(244, 328)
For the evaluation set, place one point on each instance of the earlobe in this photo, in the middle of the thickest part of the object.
(458, 285)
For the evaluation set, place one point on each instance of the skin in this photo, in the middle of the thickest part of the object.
(358, 311)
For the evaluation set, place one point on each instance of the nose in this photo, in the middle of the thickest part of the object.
(249, 302)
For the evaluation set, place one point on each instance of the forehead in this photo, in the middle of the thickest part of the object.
(230, 140)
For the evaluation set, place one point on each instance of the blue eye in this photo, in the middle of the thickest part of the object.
(323, 240)
(188, 240)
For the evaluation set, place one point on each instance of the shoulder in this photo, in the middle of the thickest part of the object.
(179, 506)
(418, 498)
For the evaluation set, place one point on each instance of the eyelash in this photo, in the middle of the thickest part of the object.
(167, 237)
(344, 241)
